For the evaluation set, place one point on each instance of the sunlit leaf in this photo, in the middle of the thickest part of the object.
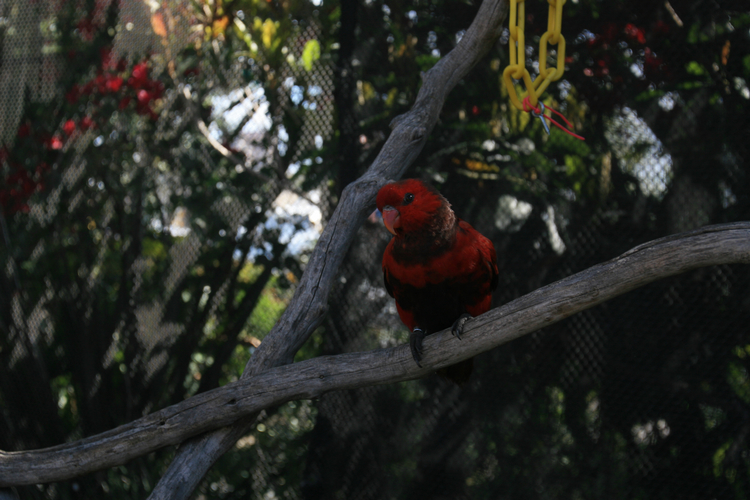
(310, 54)
(220, 25)
(269, 30)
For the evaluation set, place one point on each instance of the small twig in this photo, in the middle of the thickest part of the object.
(673, 13)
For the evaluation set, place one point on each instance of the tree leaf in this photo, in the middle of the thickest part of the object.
(310, 54)
(269, 31)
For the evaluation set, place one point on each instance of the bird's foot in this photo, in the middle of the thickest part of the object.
(458, 325)
(415, 342)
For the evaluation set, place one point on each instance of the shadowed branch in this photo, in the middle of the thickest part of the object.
(712, 245)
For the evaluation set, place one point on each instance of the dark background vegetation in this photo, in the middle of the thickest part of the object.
(151, 154)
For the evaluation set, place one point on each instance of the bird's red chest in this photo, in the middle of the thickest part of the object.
(420, 272)
(432, 291)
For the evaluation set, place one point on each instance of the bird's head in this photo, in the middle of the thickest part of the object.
(410, 206)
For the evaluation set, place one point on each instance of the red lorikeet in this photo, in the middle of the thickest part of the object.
(440, 270)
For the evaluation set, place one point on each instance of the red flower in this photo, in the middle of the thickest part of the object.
(69, 127)
(113, 83)
(635, 33)
(55, 142)
(87, 123)
(144, 96)
(101, 83)
(20, 187)
(139, 76)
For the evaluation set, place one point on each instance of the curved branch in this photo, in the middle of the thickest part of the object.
(712, 245)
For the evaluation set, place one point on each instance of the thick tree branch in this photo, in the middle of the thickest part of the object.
(309, 304)
(712, 245)
(358, 199)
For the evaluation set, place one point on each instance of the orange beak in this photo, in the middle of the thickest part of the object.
(391, 219)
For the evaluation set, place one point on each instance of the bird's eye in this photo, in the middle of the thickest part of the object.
(408, 198)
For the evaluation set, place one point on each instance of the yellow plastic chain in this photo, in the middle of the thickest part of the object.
(517, 67)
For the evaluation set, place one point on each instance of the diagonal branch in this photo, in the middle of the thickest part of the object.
(712, 245)
(358, 199)
(309, 304)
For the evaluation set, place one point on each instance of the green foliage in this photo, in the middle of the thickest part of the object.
(310, 54)
(128, 228)
(267, 311)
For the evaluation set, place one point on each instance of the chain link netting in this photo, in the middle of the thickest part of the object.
(158, 212)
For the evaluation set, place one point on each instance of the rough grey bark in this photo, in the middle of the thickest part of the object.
(712, 245)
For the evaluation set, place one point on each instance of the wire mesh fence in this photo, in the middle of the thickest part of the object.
(168, 166)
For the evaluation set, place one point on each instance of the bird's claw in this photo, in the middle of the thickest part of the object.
(458, 325)
(415, 342)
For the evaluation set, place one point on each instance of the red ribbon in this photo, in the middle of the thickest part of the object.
(528, 107)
